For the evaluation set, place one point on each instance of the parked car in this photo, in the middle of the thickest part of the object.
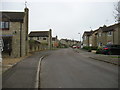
(111, 49)
(75, 47)
(78, 47)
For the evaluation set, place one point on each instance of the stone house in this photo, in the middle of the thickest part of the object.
(63, 41)
(77, 43)
(108, 35)
(87, 38)
(68, 42)
(102, 36)
(93, 38)
(14, 27)
(43, 37)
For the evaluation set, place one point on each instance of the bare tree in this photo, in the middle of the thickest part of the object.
(117, 8)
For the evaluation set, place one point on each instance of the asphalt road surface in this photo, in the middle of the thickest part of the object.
(23, 75)
(65, 68)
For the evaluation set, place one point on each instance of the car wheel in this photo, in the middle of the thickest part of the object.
(109, 53)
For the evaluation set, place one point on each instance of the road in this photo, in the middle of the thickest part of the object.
(65, 68)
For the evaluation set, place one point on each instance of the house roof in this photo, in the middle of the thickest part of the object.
(13, 16)
(109, 28)
(39, 34)
(104, 29)
(88, 33)
(68, 40)
(54, 38)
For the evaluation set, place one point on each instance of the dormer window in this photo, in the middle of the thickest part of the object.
(4, 25)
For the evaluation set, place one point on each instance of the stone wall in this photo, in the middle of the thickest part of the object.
(15, 30)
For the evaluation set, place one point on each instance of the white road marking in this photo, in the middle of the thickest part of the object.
(38, 74)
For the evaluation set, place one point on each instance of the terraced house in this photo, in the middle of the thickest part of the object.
(14, 27)
(102, 36)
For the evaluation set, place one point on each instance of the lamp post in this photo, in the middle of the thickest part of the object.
(80, 39)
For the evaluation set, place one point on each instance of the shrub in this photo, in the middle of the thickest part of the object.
(89, 48)
(99, 51)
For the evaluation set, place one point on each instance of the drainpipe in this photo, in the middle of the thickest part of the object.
(26, 21)
(88, 40)
(50, 39)
(113, 36)
(20, 39)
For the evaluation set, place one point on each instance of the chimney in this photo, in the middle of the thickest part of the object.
(56, 37)
(26, 21)
(50, 39)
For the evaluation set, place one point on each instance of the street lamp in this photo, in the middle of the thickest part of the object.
(80, 39)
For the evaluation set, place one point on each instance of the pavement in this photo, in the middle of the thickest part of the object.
(22, 74)
(112, 59)
(8, 62)
(65, 68)
(0, 77)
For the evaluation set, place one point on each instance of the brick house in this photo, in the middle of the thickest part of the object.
(14, 27)
(44, 37)
(55, 42)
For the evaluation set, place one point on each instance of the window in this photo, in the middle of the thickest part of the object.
(100, 34)
(110, 33)
(44, 38)
(30, 38)
(37, 38)
(4, 25)
(85, 38)
(100, 44)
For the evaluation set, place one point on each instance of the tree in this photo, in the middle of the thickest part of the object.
(117, 9)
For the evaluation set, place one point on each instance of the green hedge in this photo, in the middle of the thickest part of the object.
(89, 48)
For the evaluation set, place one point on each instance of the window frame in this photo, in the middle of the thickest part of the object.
(4, 25)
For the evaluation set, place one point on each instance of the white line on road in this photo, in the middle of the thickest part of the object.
(38, 74)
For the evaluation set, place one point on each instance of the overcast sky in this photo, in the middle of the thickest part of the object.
(66, 18)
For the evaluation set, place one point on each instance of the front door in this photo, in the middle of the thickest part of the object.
(7, 49)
